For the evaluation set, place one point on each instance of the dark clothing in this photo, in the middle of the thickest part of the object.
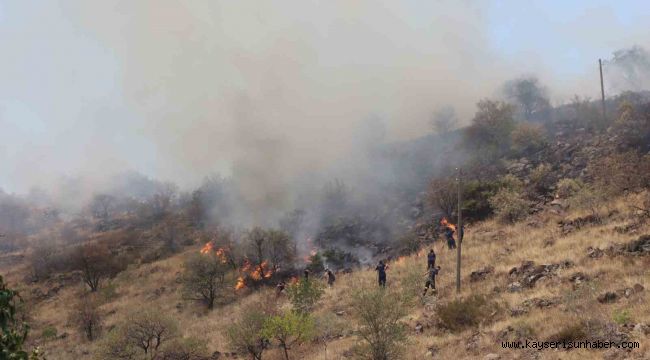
(330, 278)
(381, 272)
(462, 233)
(306, 274)
(451, 243)
(431, 260)
(431, 280)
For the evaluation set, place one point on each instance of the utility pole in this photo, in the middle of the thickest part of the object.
(602, 88)
(459, 232)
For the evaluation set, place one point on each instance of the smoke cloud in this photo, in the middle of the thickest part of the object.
(274, 95)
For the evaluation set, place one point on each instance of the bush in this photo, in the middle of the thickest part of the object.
(289, 329)
(204, 278)
(379, 312)
(569, 333)
(633, 125)
(304, 294)
(459, 314)
(489, 134)
(145, 332)
(184, 349)
(541, 178)
(622, 316)
(49, 333)
(443, 195)
(245, 334)
(568, 187)
(316, 264)
(509, 206)
(86, 317)
(618, 173)
(13, 331)
(528, 138)
(587, 198)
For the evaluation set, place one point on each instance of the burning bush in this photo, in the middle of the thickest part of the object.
(378, 312)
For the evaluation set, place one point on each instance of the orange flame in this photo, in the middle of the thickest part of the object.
(400, 260)
(447, 224)
(240, 283)
(206, 248)
(293, 280)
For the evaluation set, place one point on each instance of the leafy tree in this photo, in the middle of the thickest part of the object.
(304, 294)
(529, 94)
(102, 205)
(378, 312)
(145, 332)
(96, 263)
(245, 334)
(289, 328)
(86, 316)
(13, 330)
(204, 278)
(443, 195)
(509, 205)
(316, 264)
(528, 138)
(444, 120)
(629, 69)
(489, 134)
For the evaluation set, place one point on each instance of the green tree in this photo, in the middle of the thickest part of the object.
(245, 334)
(378, 312)
(289, 328)
(145, 333)
(489, 134)
(14, 330)
(204, 278)
(304, 294)
(528, 94)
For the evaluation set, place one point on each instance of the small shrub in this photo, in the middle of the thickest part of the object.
(568, 187)
(289, 328)
(542, 178)
(528, 138)
(108, 293)
(569, 333)
(622, 316)
(304, 294)
(509, 206)
(459, 314)
(379, 312)
(316, 264)
(245, 334)
(49, 333)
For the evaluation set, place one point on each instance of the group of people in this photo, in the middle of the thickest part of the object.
(432, 272)
(432, 269)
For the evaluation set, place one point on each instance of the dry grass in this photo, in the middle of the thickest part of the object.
(487, 243)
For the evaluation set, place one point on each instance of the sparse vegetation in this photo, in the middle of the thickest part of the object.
(379, 312)
(304, 294)
(459, 314)
(289, 329)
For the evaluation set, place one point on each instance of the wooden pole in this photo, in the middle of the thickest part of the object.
(602, 88)
(459, 232)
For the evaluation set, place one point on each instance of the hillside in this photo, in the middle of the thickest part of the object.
(500, 262)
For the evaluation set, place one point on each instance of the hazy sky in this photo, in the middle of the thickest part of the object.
(181, 89)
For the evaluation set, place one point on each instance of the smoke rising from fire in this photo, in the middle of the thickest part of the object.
(275, 95)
